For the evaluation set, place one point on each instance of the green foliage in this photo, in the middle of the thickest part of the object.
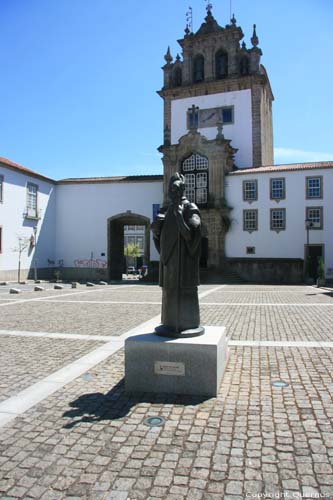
(132, 250)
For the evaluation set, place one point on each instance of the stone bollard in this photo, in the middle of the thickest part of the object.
(39, 288)
(90, 284)
(14, 290)
(58, 287)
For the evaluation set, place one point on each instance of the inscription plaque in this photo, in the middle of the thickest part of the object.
(169, 368)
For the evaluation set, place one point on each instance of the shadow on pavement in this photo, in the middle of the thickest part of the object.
(117, 403)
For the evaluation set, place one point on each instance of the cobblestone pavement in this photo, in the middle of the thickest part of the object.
(89, 440)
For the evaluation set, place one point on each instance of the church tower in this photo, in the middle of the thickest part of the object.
(217, 117)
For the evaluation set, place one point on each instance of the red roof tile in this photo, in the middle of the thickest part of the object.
(283, 168)
(23, 170)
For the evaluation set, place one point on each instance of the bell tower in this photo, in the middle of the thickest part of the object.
(226, 81)
(217, 117)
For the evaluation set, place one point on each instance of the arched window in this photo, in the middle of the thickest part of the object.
(244, 66)
(198, 69)
(195, 170)
(177, 77)
(221, 64)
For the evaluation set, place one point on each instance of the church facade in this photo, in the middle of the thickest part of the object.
(263, 221)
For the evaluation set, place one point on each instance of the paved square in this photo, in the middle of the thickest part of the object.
(68, 429)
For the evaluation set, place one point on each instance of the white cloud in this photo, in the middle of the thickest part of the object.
(289, 155)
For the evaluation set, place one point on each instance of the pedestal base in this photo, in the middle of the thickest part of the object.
(192, 366)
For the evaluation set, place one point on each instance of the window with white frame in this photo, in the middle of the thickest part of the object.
(314, 188)
(278, 189)
(1, 188)
(314, 217)
(139, 242)
(278, 219)
(32, 192)
(250, 190)
(195, 170)
(250, 220)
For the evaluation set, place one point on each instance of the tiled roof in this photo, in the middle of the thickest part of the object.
(15, 166)
(127, 178)
(283, 168)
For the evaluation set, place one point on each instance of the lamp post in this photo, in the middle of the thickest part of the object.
(35, 258)
(308, 225)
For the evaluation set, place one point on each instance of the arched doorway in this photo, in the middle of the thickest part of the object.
(116, 258)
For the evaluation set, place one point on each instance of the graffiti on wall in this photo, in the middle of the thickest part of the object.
(91, 263)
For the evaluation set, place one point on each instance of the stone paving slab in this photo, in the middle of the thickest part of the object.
(271, 323)
(90, 440)
(25, 361)
(270, 297)
(90, 319)
(130, 295)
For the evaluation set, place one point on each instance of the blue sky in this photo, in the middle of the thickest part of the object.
(79, 79)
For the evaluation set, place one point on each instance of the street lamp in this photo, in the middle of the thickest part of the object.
(308, 225)
(35, 259)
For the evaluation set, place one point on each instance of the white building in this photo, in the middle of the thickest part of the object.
(27, 215)
(281, 212)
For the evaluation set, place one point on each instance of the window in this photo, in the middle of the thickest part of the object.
(250, 220)
(32, 190)
(278, 219)
(131, 228)
(277, 189)
(1, 188)
(198, 69)
(221, 64)
(251, 250)
(314, 187)
(195, 170)
(139, 242)
(250, 190)
(228, 115)
(315, 217)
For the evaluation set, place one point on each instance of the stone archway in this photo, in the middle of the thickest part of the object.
(116, 258)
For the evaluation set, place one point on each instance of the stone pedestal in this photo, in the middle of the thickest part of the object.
(192, 366)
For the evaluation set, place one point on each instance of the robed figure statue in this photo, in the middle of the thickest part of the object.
(177, 237)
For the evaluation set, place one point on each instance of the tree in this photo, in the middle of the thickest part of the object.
(22, 244)
(131, 252)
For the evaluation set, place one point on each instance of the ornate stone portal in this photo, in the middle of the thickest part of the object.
(177, 236)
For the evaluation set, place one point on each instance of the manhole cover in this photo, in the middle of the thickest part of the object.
(280, 383)
(154, 421)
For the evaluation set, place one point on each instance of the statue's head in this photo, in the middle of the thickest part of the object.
(176, 187)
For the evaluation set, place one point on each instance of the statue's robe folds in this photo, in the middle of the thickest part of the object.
(179, 245)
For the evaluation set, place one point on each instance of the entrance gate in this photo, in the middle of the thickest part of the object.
(116, 257)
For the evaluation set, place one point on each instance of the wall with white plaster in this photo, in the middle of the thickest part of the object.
(82, 214)
(289, 243)
(15, 225)
(239, 132)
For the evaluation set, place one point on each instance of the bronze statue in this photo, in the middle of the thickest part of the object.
(177, 237)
